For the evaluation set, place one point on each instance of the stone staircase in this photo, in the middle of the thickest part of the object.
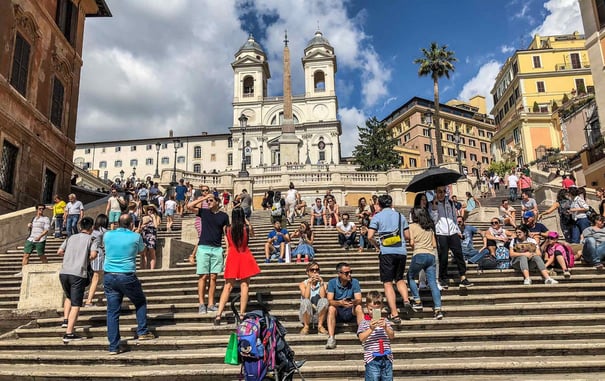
(498, 329)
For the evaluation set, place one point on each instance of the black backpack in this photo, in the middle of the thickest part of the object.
(564, 215)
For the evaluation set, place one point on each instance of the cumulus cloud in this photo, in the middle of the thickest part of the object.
(482, 83)
(350, 118)
(152, 68)
(563, 17)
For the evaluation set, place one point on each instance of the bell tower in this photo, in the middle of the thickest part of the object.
(319, 64)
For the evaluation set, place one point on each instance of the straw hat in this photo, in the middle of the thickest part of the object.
(150, 206)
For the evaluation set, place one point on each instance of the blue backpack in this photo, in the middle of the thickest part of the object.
(502, 258)
(256, 343)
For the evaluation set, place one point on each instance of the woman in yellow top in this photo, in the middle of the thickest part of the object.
(424, 246)
(58, 211)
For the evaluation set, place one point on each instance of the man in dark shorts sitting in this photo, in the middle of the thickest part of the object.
(344, 299)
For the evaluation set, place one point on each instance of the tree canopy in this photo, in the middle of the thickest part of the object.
(376, 149)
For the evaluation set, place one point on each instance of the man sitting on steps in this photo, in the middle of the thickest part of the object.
(277, 239)
(347, 232)
(344, 299)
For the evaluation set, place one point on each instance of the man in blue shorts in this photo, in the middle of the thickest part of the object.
(121, 249)
(209, 255)
(392, 229)
(344, 299)
(180, 191)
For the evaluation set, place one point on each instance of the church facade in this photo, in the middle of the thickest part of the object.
(316, 129)
(314, 119)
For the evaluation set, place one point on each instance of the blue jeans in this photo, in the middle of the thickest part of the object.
(593, 254)
(379, 369)
(578, 228)
(512, 194)
(58, 225)
(424, 262)
(72, 224)
(117, 286)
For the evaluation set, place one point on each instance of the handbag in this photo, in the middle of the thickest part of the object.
(231, 355)
(394, 238)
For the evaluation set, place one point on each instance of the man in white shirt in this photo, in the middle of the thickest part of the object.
(448, 234)
(512, 186)
(347, 232)
(74, 211)
(39, 226)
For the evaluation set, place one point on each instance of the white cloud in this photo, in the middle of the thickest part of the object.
(563, 17)
(350, 118)
(505, 49)
(482, 83)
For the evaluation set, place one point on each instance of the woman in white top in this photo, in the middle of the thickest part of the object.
(170, 209)
(578, 210)
(313, 300)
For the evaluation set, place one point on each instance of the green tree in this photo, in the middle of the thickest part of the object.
(565, 99)
(436, 62)
(502, 167)
(555, 106)
(536, 107)
(376, 149)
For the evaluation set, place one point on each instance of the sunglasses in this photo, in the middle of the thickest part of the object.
(346, 273)
(205, 190)
(41, 208)
(495, 222)
(314, 270)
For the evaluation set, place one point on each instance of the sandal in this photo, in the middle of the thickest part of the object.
(395, 319)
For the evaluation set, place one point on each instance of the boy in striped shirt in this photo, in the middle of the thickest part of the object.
(375, 335)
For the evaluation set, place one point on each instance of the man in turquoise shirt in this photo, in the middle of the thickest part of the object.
(121, 248)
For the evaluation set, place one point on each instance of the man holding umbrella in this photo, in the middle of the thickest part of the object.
(443, 213)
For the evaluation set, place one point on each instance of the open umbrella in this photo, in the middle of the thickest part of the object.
(432, 178)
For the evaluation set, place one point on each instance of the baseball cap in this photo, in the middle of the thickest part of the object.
(528, 214)
(553, 235)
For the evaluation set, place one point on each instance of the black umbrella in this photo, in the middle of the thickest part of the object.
(432, 178)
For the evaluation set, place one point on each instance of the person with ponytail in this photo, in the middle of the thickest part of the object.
(240, 263)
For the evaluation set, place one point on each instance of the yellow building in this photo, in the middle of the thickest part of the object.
(458, 120)
(532, 82)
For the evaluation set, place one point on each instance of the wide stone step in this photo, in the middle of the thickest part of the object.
(326, 369)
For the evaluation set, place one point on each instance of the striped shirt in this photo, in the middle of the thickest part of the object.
(371, 345)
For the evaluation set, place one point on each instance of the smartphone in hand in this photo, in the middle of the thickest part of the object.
(376, 314)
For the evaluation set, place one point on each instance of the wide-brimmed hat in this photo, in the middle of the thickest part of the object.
(150, 206)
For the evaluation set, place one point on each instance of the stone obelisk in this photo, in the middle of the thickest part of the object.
(288, 142)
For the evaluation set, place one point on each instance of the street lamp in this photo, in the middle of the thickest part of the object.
(177, 144)
(158, 145)
(243, 123)
(457, 136)
(307, 136)
(428, 119)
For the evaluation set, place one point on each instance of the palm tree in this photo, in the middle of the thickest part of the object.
(437, 62)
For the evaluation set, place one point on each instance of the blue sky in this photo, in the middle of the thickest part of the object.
(152, 68)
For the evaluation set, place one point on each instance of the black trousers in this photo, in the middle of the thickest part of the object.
(445, 243)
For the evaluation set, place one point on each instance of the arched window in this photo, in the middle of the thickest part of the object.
(117, 163)
(248, 86)
(165, 160)
(197, 152)
(281, 119)
(134, 162)
(180, 159)
(319, 81)
(197, 168)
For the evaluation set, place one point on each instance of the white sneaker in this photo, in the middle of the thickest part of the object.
(527, 281)
(550, 281)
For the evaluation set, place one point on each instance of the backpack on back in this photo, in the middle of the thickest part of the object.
(565, 250)
(276, 209)
(564, 215)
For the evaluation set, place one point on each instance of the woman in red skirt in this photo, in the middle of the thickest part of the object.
(240, 263)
